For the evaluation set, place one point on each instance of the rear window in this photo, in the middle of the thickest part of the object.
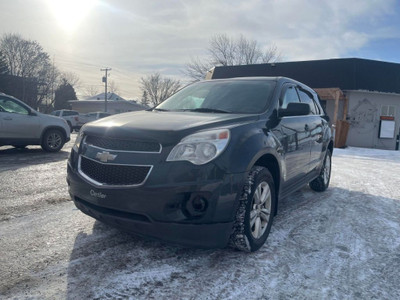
(235, 96)
(70, 113)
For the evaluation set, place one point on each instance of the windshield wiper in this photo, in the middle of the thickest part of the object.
(204, 109)
(160, 109)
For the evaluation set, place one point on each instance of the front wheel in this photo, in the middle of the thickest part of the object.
(321, 183)
(53, 140)
(256, 211)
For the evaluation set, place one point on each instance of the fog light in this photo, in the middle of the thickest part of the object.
(196, 206)
(199, 204)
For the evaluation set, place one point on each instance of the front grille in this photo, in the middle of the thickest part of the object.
(109, 174)
(124, 145)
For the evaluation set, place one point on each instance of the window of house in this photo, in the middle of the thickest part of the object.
(388, 110)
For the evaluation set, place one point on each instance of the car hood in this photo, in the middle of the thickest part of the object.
(162, 126)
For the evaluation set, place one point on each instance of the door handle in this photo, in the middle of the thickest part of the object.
(306, 128)
(7, 118)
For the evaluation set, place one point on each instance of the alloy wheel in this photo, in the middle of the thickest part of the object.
(54, 140)
(261, 210)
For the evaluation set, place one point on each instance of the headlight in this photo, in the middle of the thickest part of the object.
(201, 147)
(78, 140)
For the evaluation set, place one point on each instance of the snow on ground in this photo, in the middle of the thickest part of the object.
(340, 244)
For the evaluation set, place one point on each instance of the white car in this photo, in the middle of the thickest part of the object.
(21, 125)
(71, 116)
(90, 117)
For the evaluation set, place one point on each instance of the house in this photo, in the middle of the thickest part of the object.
(115, 104)
(361, 93)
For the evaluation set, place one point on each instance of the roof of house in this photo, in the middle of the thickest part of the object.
(110, 97)
(344, 73)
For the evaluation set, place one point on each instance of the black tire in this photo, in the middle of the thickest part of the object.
(70, 126)
(53, 140)
(245, 235)
(19, 146)
(321, 183)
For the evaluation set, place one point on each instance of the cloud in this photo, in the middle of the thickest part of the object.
(136, 37)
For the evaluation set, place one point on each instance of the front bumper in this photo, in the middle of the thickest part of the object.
(161, 211)
(198, 235)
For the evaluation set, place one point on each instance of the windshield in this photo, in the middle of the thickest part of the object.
(235, 96)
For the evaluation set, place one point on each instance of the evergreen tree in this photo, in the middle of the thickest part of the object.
(63, 94)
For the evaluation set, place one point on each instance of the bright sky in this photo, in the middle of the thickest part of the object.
(136, 38)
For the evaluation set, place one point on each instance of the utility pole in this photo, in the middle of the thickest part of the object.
(105, 85)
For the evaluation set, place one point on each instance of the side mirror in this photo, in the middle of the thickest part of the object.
(32, 113)
(295, 109)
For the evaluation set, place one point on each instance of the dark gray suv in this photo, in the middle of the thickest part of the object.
(208, 166)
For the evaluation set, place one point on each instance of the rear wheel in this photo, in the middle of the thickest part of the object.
(53, 140)
(255, 213)
(321, 183)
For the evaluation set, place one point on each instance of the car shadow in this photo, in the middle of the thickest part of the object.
(311, 228)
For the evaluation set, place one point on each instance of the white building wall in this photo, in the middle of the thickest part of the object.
(364, 116)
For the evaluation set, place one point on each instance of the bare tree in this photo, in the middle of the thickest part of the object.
(25, 58)
(3, 65)
(227, 51)
(158, 88)
(28, 60)
(70, 78)
(113, 87)
(91, 90)
(145, 99)
(48, 83)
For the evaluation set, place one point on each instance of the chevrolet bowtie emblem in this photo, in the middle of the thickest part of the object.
(105, 156)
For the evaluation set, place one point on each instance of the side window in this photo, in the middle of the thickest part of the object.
(305, 97)
(9, 105)
(290, 95)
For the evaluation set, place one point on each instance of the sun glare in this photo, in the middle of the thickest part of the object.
(70, 13)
